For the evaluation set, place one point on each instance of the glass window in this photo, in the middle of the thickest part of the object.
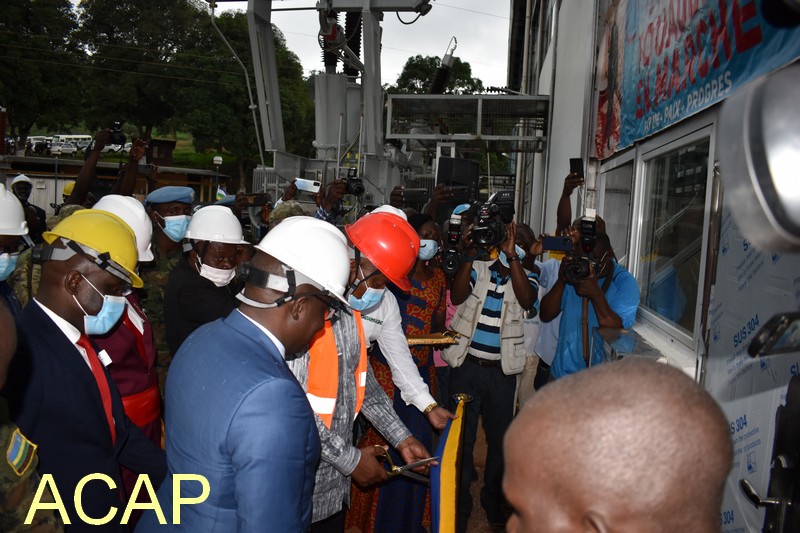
(672, 233)
(617, 208)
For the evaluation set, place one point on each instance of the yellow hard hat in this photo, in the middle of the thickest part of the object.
(105, 237)
(67, 190)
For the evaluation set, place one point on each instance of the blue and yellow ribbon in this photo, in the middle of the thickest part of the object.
(445, 476)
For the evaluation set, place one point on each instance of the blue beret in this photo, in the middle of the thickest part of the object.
(226, 200)
(184, 195)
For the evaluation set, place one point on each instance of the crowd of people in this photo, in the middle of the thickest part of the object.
(153, 338)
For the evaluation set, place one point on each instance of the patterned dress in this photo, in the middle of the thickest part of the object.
(402, 505)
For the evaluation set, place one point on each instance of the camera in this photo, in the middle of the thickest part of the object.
(451, 258)
(354, 184)
(117, 137)
(578, 267)
(490, 229)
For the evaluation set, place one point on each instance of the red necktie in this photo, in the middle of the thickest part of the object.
(102, 382)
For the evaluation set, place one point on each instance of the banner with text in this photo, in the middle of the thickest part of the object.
(661, 61)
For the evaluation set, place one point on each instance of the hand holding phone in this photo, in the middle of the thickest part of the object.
(560, 243)
(305, 185)
(576, 166)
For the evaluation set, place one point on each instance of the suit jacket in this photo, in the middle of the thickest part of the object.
(55, 401)
(236, 415)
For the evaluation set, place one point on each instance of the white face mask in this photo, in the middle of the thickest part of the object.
(218, 276)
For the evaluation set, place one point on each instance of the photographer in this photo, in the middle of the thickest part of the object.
(607, 297)
(491, 298)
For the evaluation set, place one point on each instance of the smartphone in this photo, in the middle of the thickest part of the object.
(576, 166)
(305, 185)
(561, 244)
(415, 196)
(257, 198)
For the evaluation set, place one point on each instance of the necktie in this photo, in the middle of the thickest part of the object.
(102, 382)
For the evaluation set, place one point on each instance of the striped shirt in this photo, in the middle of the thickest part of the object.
(486, 339)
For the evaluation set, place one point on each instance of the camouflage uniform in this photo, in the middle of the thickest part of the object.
(19, 481)
(155, 275)
(25, 278)
(26, 275)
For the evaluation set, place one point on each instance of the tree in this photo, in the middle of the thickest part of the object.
(216, 113)
(419, 71)
(132, 46)
(40, 62)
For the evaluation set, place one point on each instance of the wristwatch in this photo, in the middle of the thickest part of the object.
(430, 408)
(512, 258)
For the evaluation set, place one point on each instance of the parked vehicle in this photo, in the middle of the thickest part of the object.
(112, 148)
(63, 149)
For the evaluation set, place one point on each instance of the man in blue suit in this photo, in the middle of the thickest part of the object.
(59, 392)
(235, 413)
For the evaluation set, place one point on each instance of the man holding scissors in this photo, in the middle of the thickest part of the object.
(339, 383)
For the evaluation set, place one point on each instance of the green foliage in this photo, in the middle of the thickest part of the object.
(39, 59)
(419, 71)
(133, 47)
(154, 64)
(217, 112)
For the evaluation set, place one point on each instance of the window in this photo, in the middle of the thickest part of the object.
(617, 208)
(671, 235)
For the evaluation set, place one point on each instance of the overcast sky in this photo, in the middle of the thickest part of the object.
(480, 26)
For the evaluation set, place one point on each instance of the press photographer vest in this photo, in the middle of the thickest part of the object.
(512, 339)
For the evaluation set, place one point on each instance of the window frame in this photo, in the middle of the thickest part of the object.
(690, 132)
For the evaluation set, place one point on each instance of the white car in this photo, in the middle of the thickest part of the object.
(63, 149)
(114, 148)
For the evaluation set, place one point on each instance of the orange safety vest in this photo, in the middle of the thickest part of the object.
(323, 371)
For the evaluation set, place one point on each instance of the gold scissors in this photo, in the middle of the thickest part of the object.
(405, 470)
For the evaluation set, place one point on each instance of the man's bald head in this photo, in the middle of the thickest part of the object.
(627, 446)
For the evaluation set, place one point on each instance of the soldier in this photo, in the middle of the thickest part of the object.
(170, 210)
(19, 479)
(26, 275)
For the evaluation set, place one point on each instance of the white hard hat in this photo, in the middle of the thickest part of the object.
(314, 248)
(386, 208)
(12, 216)
(215, 223)
(22, 178)
(132, 212)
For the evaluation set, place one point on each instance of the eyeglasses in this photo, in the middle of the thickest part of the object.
(333, 305)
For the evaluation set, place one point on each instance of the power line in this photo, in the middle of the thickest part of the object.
(105, 69)
(472, 11)
(78, 65)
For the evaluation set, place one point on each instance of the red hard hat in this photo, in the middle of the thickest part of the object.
(389, 242)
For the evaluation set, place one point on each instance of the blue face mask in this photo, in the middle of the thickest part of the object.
(371, 298)
(8, 263)
(109, 315)
(427, 249)
(504, 260)
(175, 227)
